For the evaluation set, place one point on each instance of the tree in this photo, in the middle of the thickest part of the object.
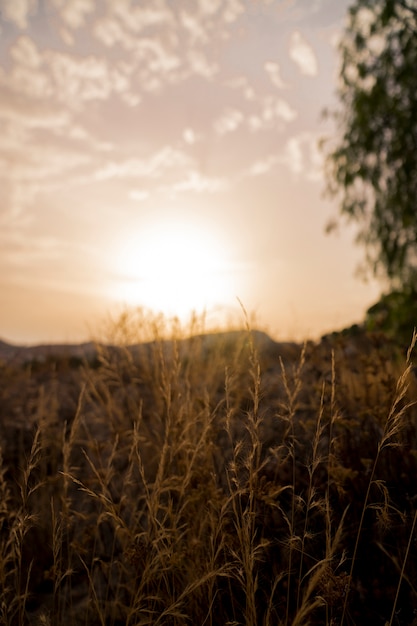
(373, 165)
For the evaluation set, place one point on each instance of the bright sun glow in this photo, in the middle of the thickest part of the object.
(174, 268)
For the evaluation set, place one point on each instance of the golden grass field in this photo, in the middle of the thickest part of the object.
(209, 479)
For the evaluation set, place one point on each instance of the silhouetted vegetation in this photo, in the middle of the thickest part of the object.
(373, 165)
(372, 160)
(210, 479)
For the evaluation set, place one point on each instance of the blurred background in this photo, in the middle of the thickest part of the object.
(164, 154)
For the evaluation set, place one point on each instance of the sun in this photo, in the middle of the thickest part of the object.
(176, 268)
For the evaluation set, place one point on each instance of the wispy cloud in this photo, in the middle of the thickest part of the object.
(229, 121)
(303, 55)
(303, 157)
(50, 74)
(273, 71)
(74, 12)
(263, 166)
(272, 112)
(18, 11)
(76, 80)
(117, 112)
(198, 183)
(155, 166)
(260, 114)
(200, 65)
(174, 41)
(43, 169)
(166, 45)
(194, 27)
(189, 136)
(278, 108)
(242, 84)
(25, 52)
(43, 149)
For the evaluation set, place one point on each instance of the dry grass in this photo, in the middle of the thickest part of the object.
(209, 480)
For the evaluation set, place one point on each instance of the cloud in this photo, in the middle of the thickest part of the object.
(294, 155)
(27, 84)
(139, 18)
(303, 156)
(47, 163)
(74, 12)
(228, 122)
(155, 166)
(303, 55)
(231, 10)
(194, 27)
(210, 7)
(110, 32)
(48, 74)
(242, 83)
(167, 57)
(27, 75)
(43, 149)
(198, 183)
(18, 11)
(76, 80)
(263, 166)
(266, 113)
(17, 122)
(167, 44)
(25, 52)
(22, 125)
(278, 108)
(174, 168)
(189, 136)
(199, 64)
(273, 111)
(274, 72)
(174, 41)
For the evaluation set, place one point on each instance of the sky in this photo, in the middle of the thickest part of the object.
(164, 154)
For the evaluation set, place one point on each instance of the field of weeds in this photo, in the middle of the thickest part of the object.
(206, 480)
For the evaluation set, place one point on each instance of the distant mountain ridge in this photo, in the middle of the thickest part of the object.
(14, 354)
(18, 354)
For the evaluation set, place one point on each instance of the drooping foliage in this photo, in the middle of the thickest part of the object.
(373, 164)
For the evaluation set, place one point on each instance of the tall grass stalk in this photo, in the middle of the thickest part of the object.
(290, 405)
(410, 539)
(185, 478)
(392, 428)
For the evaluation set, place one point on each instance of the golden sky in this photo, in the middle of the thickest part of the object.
(163, 153)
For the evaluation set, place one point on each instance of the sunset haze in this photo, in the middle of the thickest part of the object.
(164, 154)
